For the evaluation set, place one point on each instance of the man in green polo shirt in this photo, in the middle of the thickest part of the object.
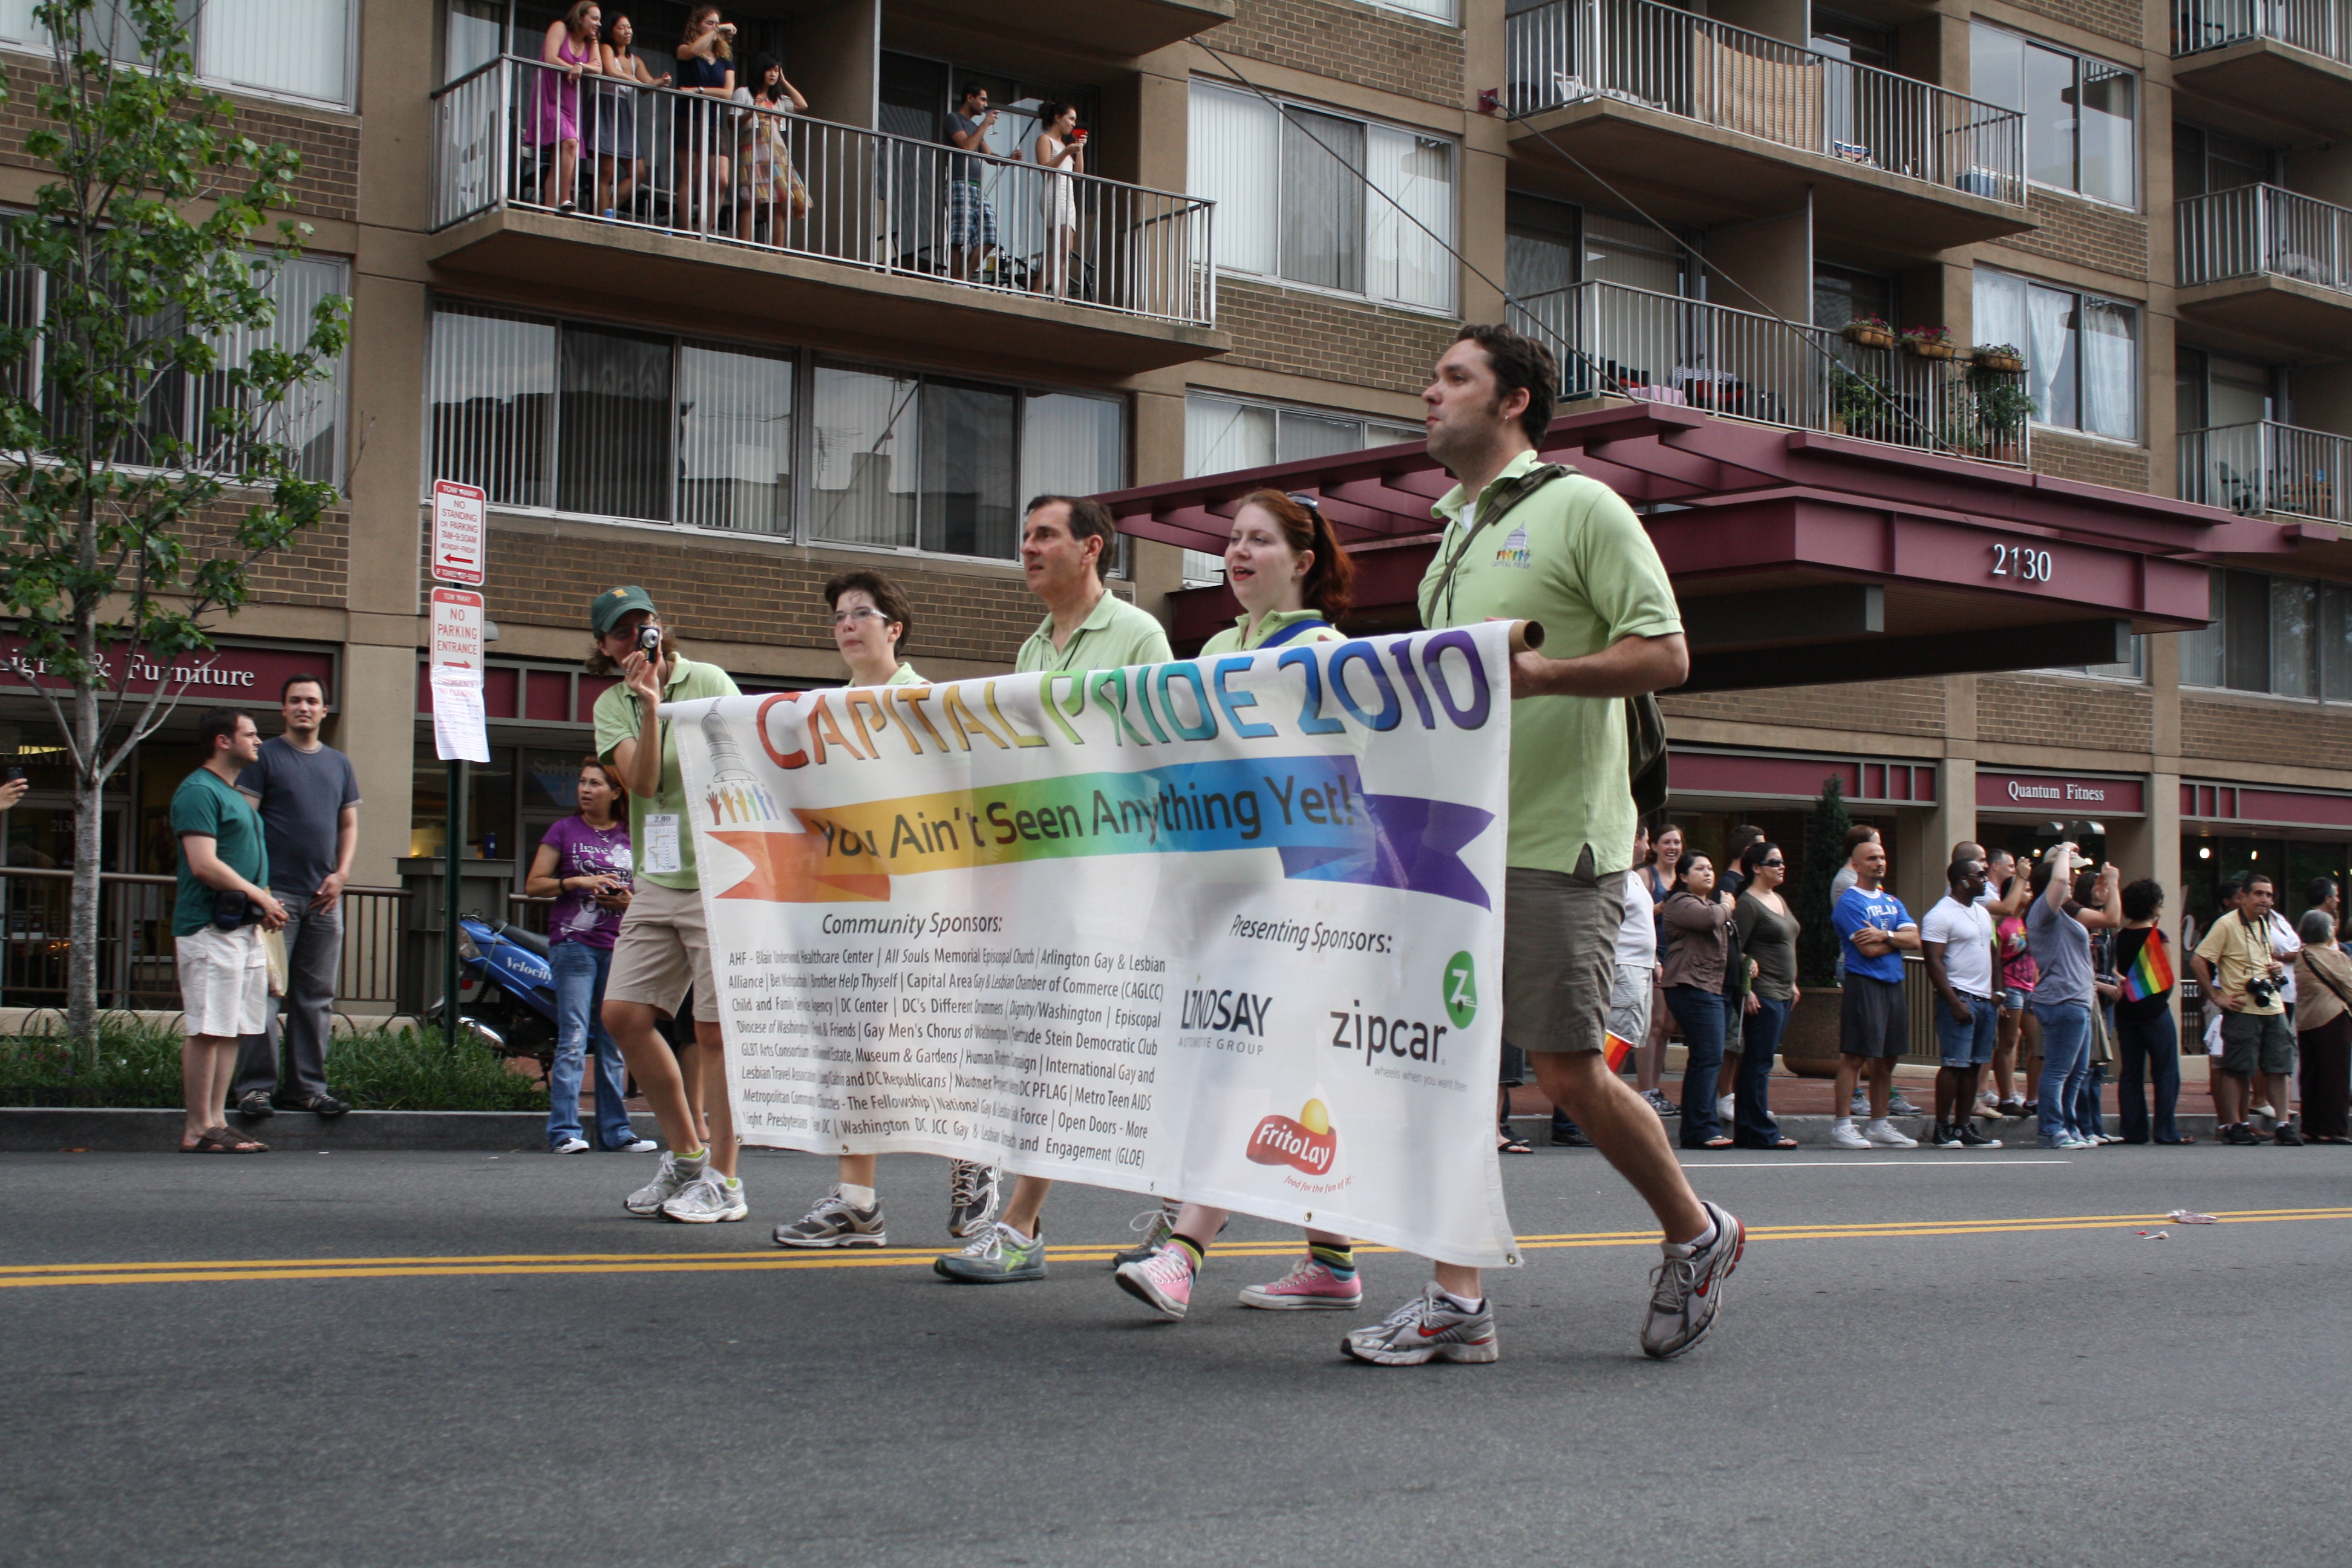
(1065, 550)
(222, 906)
(664, 948)
(1529, 540)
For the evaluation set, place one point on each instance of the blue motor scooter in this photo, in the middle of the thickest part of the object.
(507, 997)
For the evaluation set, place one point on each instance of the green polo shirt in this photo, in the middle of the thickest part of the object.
(1115, 636)
(1239, 639)
(617, 720)
(1574, 556)
(205, 804)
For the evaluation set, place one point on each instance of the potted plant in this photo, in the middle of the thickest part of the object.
(1869, 333)
(1860, 403)
(1929, 342)
(2000, 359)
(2003, 405)
(1810, 1046)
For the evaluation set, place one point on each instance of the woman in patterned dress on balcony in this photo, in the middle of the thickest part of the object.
(567, 54)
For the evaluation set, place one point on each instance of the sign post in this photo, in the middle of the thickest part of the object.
(455, 668)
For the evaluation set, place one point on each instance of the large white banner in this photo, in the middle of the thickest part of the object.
(1229, 929)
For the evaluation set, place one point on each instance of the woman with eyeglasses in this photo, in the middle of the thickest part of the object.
(871, 619)
(1283, 563)
(1767, 936)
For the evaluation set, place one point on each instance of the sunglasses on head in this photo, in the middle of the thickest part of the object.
(1306, 502)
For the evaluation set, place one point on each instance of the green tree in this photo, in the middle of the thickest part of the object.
(147, 392)
(1817, 946)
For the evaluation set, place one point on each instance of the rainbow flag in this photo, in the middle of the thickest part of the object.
(2151, 973)
(1617, 1049)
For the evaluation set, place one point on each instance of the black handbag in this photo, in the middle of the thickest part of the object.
(232, 910)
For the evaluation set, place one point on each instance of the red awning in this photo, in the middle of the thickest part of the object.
(1798, 557)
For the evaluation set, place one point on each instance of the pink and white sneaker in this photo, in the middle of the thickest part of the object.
(1310, 1287)
(1162, 1281)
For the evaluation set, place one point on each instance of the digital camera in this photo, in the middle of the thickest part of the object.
(2262, 993)
(649, 637)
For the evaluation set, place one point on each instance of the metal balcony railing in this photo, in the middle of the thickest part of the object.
(2321, 26)
(723, 172)
(1636, 51)
(1754, 366)
(2251, 230)
(2266, 467)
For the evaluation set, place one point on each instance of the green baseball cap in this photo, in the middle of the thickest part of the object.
(604, 611)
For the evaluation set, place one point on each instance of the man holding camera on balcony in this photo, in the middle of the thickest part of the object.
(971, 222)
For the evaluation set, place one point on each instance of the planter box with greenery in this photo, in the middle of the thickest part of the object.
(380, 1069)
(1810, 1046)
(1870, 332)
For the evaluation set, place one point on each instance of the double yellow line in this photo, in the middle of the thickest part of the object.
(227, 1271)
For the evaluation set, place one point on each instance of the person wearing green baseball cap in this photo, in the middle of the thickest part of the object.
(664, 948)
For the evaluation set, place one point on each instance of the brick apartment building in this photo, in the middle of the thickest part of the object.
(727, 406)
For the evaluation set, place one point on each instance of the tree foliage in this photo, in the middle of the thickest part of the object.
(1826, 831)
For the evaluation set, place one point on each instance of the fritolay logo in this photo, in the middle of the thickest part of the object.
(1514, 552)
(1308, 1143)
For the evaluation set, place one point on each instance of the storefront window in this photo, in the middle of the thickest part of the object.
(2208, 861)
(492, 827)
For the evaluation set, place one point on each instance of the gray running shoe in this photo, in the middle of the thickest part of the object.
(1157, 1226)
(1899, 1106)
(1660, 1104)
(1688, 1287)
(706, 1200)
(835, 1222)
(973, 1192)
(647, 1201)
(1427, 1328)
(997, 1256)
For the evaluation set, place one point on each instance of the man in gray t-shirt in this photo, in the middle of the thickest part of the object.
(971, 222)
(309, 803)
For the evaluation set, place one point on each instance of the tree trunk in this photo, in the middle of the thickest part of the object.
(89, 849)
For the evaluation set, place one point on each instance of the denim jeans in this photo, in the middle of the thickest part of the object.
(1700, 1012)
(1751, 1120)
(2065, 1042)
(2149, 1046)
(2088, 1121)
(314, 953)
(580, 971)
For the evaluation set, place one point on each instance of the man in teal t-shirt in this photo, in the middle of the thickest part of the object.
(224, 877)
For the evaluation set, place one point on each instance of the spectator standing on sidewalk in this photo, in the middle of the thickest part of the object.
(1768, 930)
(1699, 920)
(1957, 942)
(2237, 969)
(584, 863)
(2058, 926)
(308, 797)
(1729, 880)
(223, 904)
(2004, 898)
(1875, 931)
(1636, 959)
(2147, 1046)
(1659, 878)
(2322, 894)
(2324, 1028)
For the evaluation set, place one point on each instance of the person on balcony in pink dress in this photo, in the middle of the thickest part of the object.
(568, 52)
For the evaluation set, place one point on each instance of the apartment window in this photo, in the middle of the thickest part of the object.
(1288, 207)
(591, 419)
(1223, 435)
(2289, 637)
(2082, 115)
(2082, 352)
(1842, 294)
(2205, 161)
(907, 461)
(300, 49)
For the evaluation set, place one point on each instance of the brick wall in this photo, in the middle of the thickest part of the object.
(545, 574)
(2090, 462)
(2084, 233)
(1313, 335)
(2117, 19)
(1884, 707)
(1367, 45)
(2243, 738)
(2051, 710)
(327, 187)
(314, 569)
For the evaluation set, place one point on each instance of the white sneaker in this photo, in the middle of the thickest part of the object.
(667, 1183)
(1860, 1105)
(1882, 1133)
(2265, 1113)
(708, 1198)
(1843, 1134)
(571, 1146)
(1726, 1108)
(635, 1145)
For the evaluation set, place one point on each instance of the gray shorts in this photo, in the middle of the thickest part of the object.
(1629, 1003)
(1559, 957)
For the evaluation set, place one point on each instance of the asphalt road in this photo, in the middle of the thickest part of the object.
(1988, 1364)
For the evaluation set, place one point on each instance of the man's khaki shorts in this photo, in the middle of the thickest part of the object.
(663, 950)
(1560, 956)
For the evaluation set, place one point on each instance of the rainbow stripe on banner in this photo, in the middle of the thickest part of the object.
(2151, 973)
(1312, 810)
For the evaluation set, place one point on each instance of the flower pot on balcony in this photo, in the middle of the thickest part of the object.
(1926, 349)
(1868, 337)
(2002, 364)
(1809, 1047)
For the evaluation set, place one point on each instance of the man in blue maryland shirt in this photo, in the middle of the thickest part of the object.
(1875, 931)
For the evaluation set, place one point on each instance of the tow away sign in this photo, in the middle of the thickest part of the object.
(457, 532)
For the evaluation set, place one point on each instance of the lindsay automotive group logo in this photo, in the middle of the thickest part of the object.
(1308, 1143)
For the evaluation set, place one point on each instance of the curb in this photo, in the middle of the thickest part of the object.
(1813, 1131)
(48, 1129)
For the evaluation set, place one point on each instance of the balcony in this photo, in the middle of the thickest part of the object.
(837, 226)
(1731, 123)
(2269, 266)
(2281, 61)
(2268, 467)
(1664, 349)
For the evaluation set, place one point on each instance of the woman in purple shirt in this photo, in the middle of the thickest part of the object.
(585, 864)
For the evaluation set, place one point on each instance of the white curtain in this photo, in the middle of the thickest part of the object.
(2050, 356)
(490, 391)
(1232, 159)
(298, 47)
(1408, 258)
(863, 490)
(2110, 340)
(734, 439)
(1070, 445)
(1221, 436)
(2294, 611)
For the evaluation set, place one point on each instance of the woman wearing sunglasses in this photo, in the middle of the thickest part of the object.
(1768, 937)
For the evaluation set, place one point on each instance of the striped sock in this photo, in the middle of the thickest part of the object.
(1339, 1260)
(1193, 1251)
